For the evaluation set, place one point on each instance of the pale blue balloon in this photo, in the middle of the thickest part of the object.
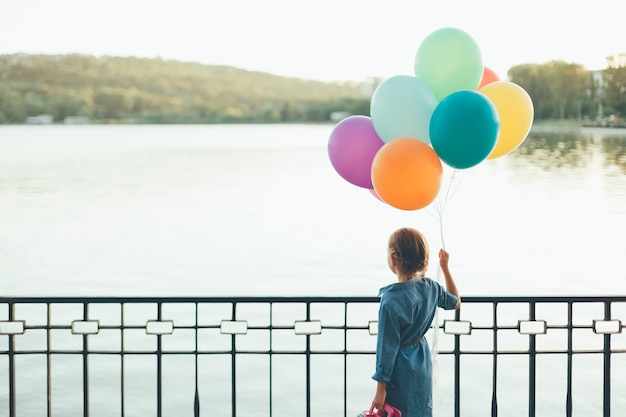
(401, 107)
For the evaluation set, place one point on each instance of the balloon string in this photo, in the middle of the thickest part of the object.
(441, 205)
(440, 208)
(451, 190)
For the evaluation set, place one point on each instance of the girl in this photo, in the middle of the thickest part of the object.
(407, 309)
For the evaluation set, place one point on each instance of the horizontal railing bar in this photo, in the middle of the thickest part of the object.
(302, 299)
(273, 327)
(200, 352)
(185, 299)
(524, 352)
(199, 327)
(548, 327)
(298, 352)
(288, 327)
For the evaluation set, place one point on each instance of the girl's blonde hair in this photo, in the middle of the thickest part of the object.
(410, 249)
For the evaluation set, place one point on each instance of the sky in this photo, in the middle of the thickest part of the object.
(327, 40)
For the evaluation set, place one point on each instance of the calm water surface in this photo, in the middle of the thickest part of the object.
(259, 210)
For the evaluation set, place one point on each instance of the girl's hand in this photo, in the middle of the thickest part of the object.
(443, 259)
(378, 405)
(380, 396)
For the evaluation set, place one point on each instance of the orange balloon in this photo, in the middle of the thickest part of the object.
(489, 76)
(406, 174)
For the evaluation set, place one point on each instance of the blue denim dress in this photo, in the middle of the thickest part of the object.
(403, 357)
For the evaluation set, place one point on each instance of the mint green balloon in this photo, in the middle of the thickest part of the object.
(449, 60)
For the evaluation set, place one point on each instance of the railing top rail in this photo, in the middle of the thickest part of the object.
(298, 299)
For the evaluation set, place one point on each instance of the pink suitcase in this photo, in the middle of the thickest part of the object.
(387, 411)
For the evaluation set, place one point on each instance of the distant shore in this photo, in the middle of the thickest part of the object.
(579, 129)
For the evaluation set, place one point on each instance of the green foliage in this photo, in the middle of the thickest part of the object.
(561, 90)
(140, 90)
(557, 88)
(615, 88)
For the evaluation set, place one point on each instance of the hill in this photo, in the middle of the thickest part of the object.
(143, 90)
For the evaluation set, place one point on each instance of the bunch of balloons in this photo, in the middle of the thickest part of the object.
(454, 110)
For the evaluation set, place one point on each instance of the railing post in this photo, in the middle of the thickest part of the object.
(85, 366)
(233, 365)
(271, 358)
(12, 393)
(607, 364)
(48, 361)
(494, 398)
(122, 361)
(570, 348)
(345, 359)
(457, 368)
(308, 363)
(159, 367)
(532, 365)
(196, 398)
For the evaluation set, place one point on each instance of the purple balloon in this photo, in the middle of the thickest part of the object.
(352, 146)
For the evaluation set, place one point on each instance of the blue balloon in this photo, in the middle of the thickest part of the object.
(401, 107)
(464, 128)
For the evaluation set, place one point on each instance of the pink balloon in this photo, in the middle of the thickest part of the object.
(489, 76)
(375, 194)
(352, 145)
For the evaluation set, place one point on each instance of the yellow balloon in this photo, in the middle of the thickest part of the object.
(516, 111)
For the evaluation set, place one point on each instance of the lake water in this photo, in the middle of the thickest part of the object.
(238, 210)
(259, 210)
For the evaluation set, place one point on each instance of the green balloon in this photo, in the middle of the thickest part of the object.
(449, 60)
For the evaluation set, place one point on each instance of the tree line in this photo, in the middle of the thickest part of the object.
(561, 90)
(143, 90)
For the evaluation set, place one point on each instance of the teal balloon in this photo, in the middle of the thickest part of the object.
(449, 60)
(464, 129)
(401, 107)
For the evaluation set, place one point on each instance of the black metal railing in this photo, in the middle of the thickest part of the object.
(302, 356)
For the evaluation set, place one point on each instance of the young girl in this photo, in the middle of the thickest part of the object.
(407, 309)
